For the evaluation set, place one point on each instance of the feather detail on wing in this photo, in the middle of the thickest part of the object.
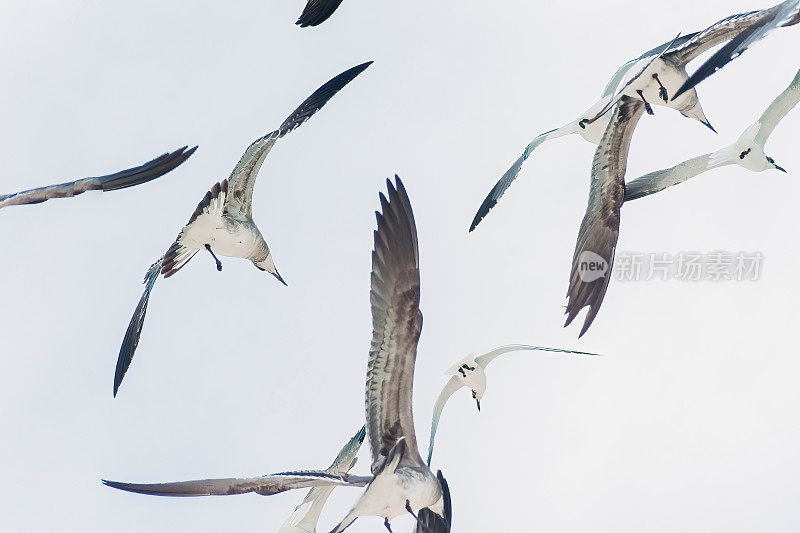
(134, 331)
(264, 485)
(180, 252)
(741, 32)
(396, 326)
(243, 178)
(597, 238)
(662, 179)
(784, 103)
(501, 186)
(449, 389)
(316, 12)
(485, 359)
(120, 180)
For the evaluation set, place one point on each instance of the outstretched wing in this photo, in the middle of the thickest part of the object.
(488, 357)
(134, 331)
(316, 12)
(741, 31)
(500, 188)
(120, 180)
(263, 485)
(784, 103)
(182, 250)
(597, 238)
(449, 389)
(396, 326)
(662, 179)
(239, 203)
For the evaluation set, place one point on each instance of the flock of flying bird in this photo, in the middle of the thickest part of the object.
(400, 481)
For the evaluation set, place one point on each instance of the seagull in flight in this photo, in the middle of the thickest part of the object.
(747, 151)
(401, 482)
(590, 125)
(119, 180)
(470, 372)
(599, 232)
(317, 11)
(663, 79)
(223, 221)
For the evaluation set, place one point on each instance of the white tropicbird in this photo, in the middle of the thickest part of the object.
(599, 232)
(223, 221)
(400, 480)
(747, 151)
(119, 180)
(316, 12)
(470, 372)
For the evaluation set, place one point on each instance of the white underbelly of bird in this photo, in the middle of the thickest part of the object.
(658, 83)
(225, 237)
(387, 494)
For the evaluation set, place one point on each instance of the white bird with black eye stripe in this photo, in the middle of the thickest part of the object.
(223, 222)
(747, 151)
(470, 372)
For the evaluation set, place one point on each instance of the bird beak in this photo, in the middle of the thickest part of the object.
(278, 277)
(479, 403)
(709, 126)
(780, 168)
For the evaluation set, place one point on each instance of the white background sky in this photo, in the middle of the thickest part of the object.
(688, 424)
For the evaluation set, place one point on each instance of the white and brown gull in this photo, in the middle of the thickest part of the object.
(401, 482)
(747, 152)
(149, 171)
(223, 222)
(659, 77)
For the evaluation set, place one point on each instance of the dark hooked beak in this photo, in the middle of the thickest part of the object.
(279, 278)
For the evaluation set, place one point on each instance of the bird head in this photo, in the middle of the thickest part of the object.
(689, 106)
(268, 265)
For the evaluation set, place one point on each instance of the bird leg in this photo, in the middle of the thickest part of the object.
(647, 105)
(219, 263)
(662, 91)
(386, 523)
(408, 508)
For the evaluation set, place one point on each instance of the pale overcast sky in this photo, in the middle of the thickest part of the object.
(688, 424)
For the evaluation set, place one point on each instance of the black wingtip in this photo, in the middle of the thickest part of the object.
(320, 97)
(316, 12)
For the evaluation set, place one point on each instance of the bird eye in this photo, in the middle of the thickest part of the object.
(475, 395)
(771, 160)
